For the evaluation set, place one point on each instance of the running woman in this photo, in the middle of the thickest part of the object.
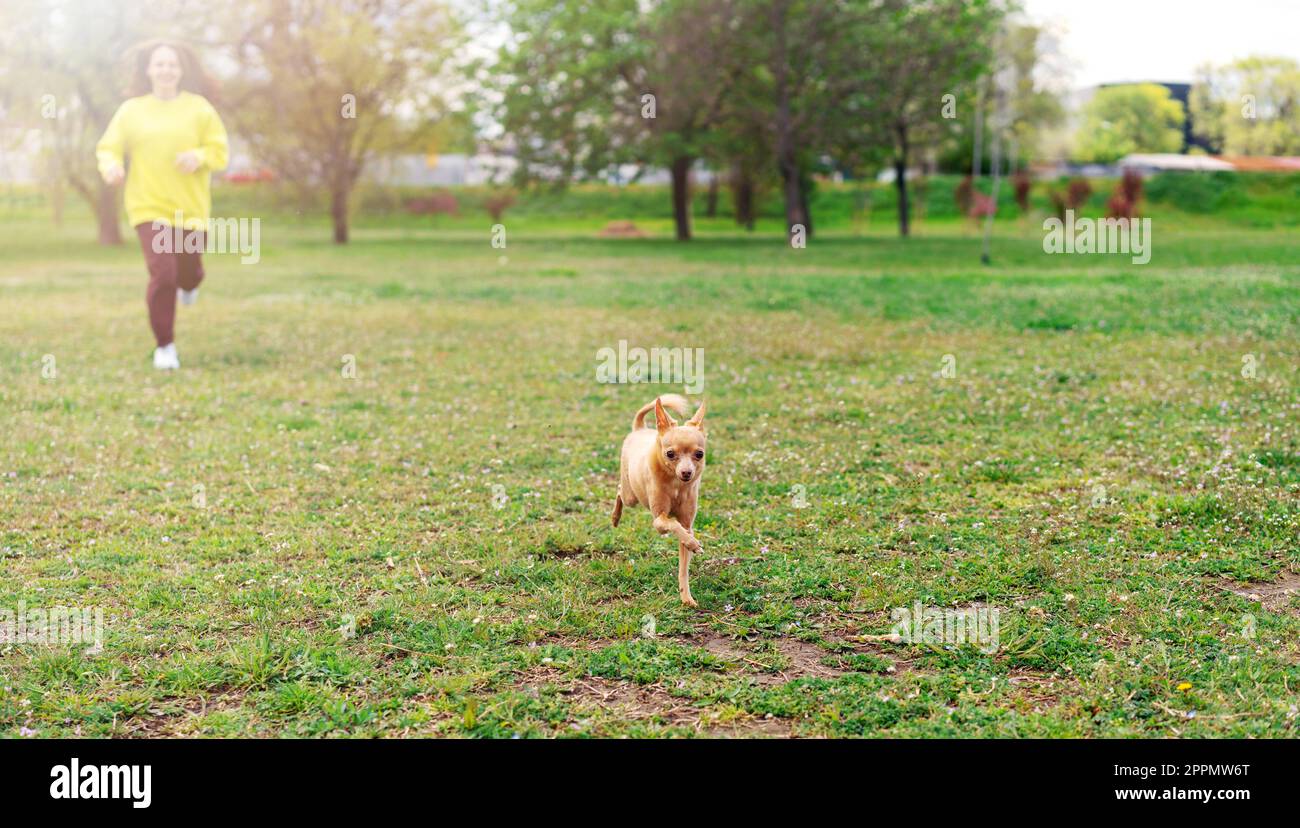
(173, 140)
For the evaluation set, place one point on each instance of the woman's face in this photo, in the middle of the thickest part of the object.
(164, 69)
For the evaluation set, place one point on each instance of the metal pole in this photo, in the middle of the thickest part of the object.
(996, 163)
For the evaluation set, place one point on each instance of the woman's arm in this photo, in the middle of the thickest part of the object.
(111, 149)
(213, 150)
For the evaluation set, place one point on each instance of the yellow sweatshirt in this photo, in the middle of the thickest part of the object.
(152, 132)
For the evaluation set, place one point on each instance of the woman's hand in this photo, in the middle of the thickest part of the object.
(114, 175)
(188, 161)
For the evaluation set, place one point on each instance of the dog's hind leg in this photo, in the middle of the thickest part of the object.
(618, 509)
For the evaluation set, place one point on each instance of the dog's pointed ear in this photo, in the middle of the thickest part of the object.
(662, 421)
(698, 419)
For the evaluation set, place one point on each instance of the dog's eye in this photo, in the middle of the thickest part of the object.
(699, 455)
(672, 454)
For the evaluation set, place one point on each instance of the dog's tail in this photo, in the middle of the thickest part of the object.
(674, 402)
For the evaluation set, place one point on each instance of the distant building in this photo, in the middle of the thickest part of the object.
(1263, 163)
(458, 170)
(1148, 163)
(1154, 162)
(450, 170)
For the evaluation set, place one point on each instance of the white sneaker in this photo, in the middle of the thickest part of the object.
(187, 297)
(165, 359)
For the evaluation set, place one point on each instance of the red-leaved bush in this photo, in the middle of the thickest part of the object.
(1058, 203)
(1078, 193)
(1119, 207)
(496, 203)
(443, 202)
(981, 205)
(962, 194)
(1123, 202)
(1131, 186)
(1022, 184)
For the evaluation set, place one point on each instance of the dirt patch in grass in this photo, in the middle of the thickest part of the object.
(793, 659)
(898, 655)
(769, 726)
(164, 723)
(766, 662)
(636, 702)
(653, 703)
(1274, 596)
(1035, 690)
(621, 230)
(649, 703)
(820, 614)
(805, 660)
(565, 550)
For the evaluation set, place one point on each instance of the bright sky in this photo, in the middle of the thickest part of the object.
(1165, 40)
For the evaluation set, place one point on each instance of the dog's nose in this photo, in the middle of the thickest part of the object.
(686, 475)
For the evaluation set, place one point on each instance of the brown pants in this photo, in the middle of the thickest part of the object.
(168, 271)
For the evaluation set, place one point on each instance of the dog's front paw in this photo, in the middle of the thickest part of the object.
(693, 546)
(688, 600)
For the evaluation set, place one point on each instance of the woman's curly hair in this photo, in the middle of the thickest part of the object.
(193, 78)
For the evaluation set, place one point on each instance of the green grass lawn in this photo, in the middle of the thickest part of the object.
(280, 550)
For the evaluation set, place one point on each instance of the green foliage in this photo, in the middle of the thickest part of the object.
(321, 88)
(1120, 120)
(1198, 192)
(1250, 106)
(1256, 199)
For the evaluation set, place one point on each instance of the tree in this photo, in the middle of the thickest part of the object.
(1249, 107)
(1033, 106)
(915, 53)
(68, 58)
(1027, 60)
(744, 151)
(687, 62)
(560, 76)
(1120, 120)
(816, 78)
(324, 86)
(586, 88)
(802, 60)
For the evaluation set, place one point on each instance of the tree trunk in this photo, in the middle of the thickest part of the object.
(110, 230)
(786, 156)
(339, 213)
(56, 200)
(711, 208)
(681, 170)
(805, 185)
(900, 181)
(742, 183)
(794, 199)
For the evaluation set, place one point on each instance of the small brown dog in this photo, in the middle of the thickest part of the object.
(662, 469)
